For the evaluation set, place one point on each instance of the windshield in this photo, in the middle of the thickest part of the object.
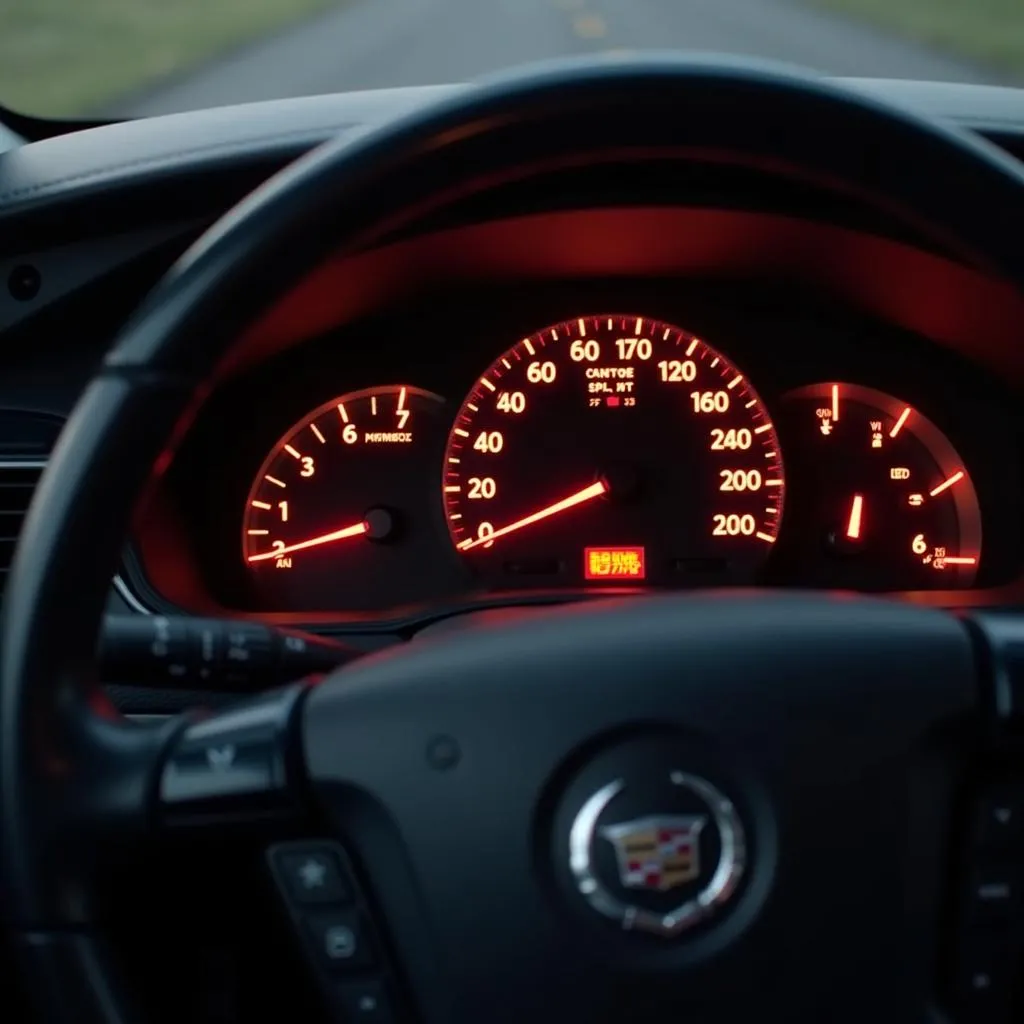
(135, 57)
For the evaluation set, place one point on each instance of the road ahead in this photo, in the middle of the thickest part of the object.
(367, 44)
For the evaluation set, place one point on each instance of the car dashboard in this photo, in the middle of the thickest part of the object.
(590, 384)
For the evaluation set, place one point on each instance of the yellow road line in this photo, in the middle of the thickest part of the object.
(589, 26)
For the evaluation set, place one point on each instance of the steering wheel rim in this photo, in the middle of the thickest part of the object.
(70, 771)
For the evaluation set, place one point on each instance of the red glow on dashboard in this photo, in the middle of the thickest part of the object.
(613, 563)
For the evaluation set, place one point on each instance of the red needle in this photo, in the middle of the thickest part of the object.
(349, 531)
(856, 511)
(587, 494)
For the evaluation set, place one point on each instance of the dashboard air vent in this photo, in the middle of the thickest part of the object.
(18, 480)
(26, 439)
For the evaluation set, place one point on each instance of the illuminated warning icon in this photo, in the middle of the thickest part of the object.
(899, 473)
(915, 500)
(658, 852)
(876, 439)
(605, 563)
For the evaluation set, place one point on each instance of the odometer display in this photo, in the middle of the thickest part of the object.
(608, 443)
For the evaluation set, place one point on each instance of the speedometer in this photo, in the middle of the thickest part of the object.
(613, 449)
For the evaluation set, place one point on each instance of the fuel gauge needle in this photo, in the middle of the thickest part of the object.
(853, 526)
(355, 530)
(587, 494)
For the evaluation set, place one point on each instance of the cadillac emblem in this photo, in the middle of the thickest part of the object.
(661, 872)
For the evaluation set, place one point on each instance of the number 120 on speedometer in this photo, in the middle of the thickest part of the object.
(618, 433)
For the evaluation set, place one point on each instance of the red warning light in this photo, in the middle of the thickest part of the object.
(613, 563)
(612, 401)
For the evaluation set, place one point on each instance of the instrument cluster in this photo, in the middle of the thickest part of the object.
(434, 459)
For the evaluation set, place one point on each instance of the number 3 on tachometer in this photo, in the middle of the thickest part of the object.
(611, 449)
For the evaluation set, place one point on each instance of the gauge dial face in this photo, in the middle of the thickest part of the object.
(880, 498)
(611, 450)
(335, 511)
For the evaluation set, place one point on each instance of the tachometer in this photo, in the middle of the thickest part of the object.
(613, 449)
(338, 516)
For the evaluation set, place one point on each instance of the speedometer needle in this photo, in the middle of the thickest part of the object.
(587, 494)
(356, 530)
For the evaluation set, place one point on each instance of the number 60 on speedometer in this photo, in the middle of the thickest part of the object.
(613, 449)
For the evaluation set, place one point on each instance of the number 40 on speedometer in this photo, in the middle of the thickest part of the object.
(613, 448)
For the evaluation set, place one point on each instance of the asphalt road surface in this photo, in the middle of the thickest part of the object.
(368, 44)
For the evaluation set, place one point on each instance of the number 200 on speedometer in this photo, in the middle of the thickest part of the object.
(613, 449)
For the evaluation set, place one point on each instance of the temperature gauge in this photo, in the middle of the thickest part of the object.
(880, 499)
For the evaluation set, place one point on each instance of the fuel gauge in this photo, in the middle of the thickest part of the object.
(880, 499)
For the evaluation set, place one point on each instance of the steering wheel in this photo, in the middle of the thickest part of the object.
(703, 807)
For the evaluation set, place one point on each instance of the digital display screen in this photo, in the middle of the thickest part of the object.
(614, 563)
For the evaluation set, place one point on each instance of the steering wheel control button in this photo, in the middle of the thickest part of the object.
(657, 855)
(985, 980)
(999, 819)
(312, 874)
(341, 940)
(234, 761)
(994, 896)
(216, 768)
(364, 1001)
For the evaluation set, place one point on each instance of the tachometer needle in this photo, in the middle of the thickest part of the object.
(587, 494)
(856, 512)
(356, 530)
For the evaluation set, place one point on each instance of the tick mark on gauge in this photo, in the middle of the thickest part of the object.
(460, 432)
(487, 384)
(292, 452)
(904, 416)
(506, 363)
(258, 533)
(761, 429)
(317, 433)
(273, 480)
(734, 381)
(946, 484)
(766, 537)
(582, 327)
(690, 348)
(715, 362)
(342, 413)
(262, 504)
(528, 345)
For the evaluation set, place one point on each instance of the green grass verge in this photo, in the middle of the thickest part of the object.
(68, 57)
(989, 32)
